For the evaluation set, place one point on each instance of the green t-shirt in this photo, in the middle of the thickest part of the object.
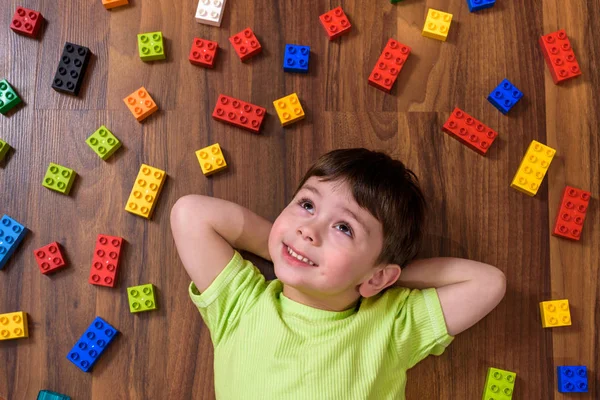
(269, 347)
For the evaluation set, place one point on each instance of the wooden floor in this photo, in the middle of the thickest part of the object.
(167, 354)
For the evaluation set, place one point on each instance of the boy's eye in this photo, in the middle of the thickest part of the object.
(306, 204)
(344, 228)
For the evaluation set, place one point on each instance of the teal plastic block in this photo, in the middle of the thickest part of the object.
(8, 97)
(48, 395)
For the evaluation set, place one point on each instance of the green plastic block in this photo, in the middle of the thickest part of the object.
(48, 395)
(141, 298)
(3, 149)
(499, 384)
(150, 46)
(395, 1)
(59, 178)
(103, 142)
(8, 97)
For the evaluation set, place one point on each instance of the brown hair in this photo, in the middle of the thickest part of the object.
(384, 187)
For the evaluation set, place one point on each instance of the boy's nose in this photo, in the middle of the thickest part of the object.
(307, 234)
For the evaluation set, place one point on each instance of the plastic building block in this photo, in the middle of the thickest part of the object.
(469, 131)
(48, 395)
(476, 5)
(203, 52)
(150, 46)
(505, 96)
(239, 113)
(11, 234)
(289, 109)
(105, 262)
(389, 65)
(141, 298)
(246, 45)
(59, 178)
(4, 147)
(499, 384)
(49, 258)
(13, 325)
(559, 56)
(395, 1)
(8, 97)
(90, 346)
(27, 22)
(210, 12)
(555, 313)
(437, 25)
(532, 169)
(571, 215)
(335, 23)
(71, 69)
(146, 190)
(211, 159)
(103, 142)
(572, 379)
(295, 58)
(141, 104)
(108, 4)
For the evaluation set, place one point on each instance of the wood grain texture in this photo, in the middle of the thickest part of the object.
(167, 354)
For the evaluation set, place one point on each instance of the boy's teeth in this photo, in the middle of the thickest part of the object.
(299, 257)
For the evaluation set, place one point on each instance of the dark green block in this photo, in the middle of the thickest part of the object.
(8, 97)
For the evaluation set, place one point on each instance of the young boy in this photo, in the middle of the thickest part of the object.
(330, 326)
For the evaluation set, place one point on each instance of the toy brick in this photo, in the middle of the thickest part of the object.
(150, 46)
(140, 104)
(108, 4)
(8, 97)
(469, 131)
(203, 52)
(13, 325)
(210, 12)
(395, 1)
(90, 346)
(105, 263)
(555, 313)
(11, 235)
(103, 142)
(533, 168)
(211, 159)
(335, 23)
(572, 379)
(437, 25)
(476, 5)
(48, 395)
(27, 22)
(499, 384)
(71, 69)
(246, 45)
(4, 147)
(389, 65)
(49, 258)
(141, 298)
(146, 190)
(59, 178)
(505, 96)
(289, 109)
(239, 113)
(296, 58)
(571, 214)
(559, 56)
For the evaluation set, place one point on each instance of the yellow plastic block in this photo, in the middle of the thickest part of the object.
(108, 4)
(289, 109)
(533, 168)
(146, 190)
(437, 25)
(211, 159)
(555, 313)
(13, 325)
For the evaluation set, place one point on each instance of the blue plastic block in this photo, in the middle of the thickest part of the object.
(11, 234)
(48, 395)
(92, 344)
(476, 5)
(505, 96)
(296, 58)
(572, 379)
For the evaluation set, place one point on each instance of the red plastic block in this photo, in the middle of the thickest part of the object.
(571, 215)
(106, 260)
(469, 131)
(49, 258)
(389, 65)
(203, 53)
(559, 56)
(239, 113)
(26, 22)
(246, 45)
(335, 23)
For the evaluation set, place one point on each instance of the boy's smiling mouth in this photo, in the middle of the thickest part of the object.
(293, 254)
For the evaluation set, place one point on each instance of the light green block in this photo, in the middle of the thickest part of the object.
(59, 178)
(8, 97)
(103, 142)
(150, 46)
(141, 298)
(499, 384)
(3, 149)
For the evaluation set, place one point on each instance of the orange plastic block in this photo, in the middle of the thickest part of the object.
(555, 313)
(289, 109)
(532, 169)
(437, 25)
(13, 325)
(108, 4)
(146, 190)
(571, 215)
(211, 159)
(140, 104)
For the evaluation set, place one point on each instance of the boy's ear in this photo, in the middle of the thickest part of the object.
(382, 278)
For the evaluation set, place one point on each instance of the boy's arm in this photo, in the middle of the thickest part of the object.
(468, 290)
(207, 229)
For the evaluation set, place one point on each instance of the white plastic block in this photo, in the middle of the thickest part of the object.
(210, 12)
